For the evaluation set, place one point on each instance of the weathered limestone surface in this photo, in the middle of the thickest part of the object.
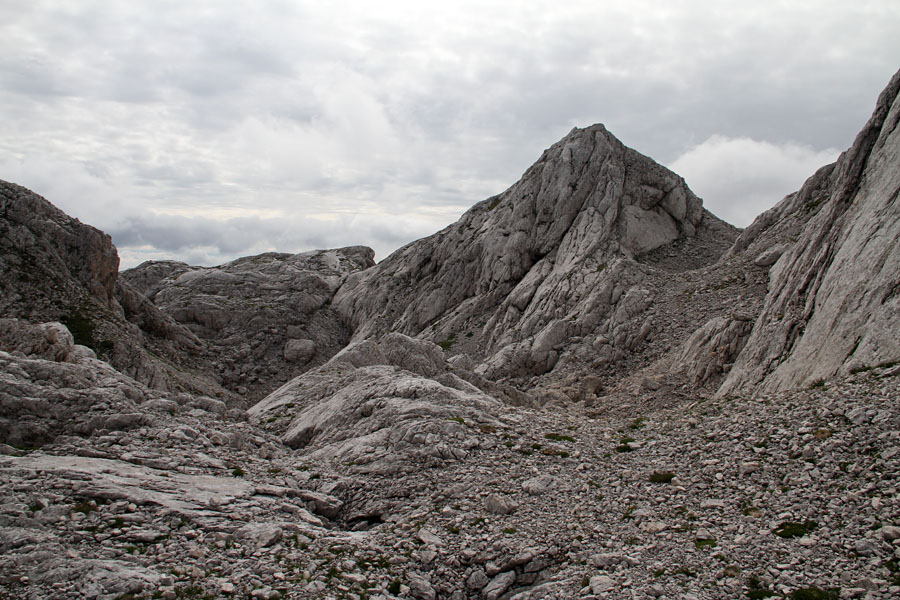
(55, 268)
(381, 405)
(543, 268)
(834, 300)
(50, 262)
(391, 467)
(261, 319)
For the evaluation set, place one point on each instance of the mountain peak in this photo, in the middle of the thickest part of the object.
(548, 260)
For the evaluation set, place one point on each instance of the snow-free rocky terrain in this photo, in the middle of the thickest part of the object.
(587, 387)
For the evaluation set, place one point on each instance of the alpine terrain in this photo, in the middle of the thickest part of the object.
(587, 387)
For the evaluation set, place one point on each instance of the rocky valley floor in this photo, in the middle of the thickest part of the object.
(792, 494)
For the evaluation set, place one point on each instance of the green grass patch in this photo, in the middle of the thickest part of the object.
(755, 589)
(447, 344)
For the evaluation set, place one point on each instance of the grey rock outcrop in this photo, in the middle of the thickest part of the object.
(712, 349)
(50, 341)
(527, 278)
(42, 399)
(390, 468)
(55, 268)
(834, 302)
(384, 406)
(50, 262)
(258, 321)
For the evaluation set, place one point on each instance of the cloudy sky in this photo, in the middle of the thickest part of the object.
(206, 130)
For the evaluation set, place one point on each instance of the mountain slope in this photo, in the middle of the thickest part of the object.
(55, 268)
(543, 276)
(834, 299)
(392, 471)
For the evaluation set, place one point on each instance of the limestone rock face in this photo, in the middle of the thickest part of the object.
(259, 320)
(384, 406)
(51, 263)
(42, 399)
(834, 302)
(55, 268)
(50, 341)
(547, 265)
(394, 466)
(712, 348)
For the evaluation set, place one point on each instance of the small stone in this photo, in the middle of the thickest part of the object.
(654, 527)
(600, 584)
(608, 559)
(540, 485)
(748, 467)
(428, 538)
(865, 548)
(477, 580)
(857, 416)
(498, 585)
(420, 588)
(499, 505)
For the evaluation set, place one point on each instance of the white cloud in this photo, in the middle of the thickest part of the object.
(402, 112)
(738, 178)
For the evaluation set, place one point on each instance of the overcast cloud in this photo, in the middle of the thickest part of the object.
(203, 131)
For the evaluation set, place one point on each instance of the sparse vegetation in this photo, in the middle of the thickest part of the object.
(815, 593)
(661, 476)
(554, 452)
(790, 529)
(83, 330)
(752, 511)
(447, 344)
(822, 434)
(625, 445)
(84, 507)
(756, 590)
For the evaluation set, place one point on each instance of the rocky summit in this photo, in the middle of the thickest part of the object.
(587, 387)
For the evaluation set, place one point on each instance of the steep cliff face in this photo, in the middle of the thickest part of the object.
(51, 263)
(545, 267)
(834, 299)
(57, 269)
